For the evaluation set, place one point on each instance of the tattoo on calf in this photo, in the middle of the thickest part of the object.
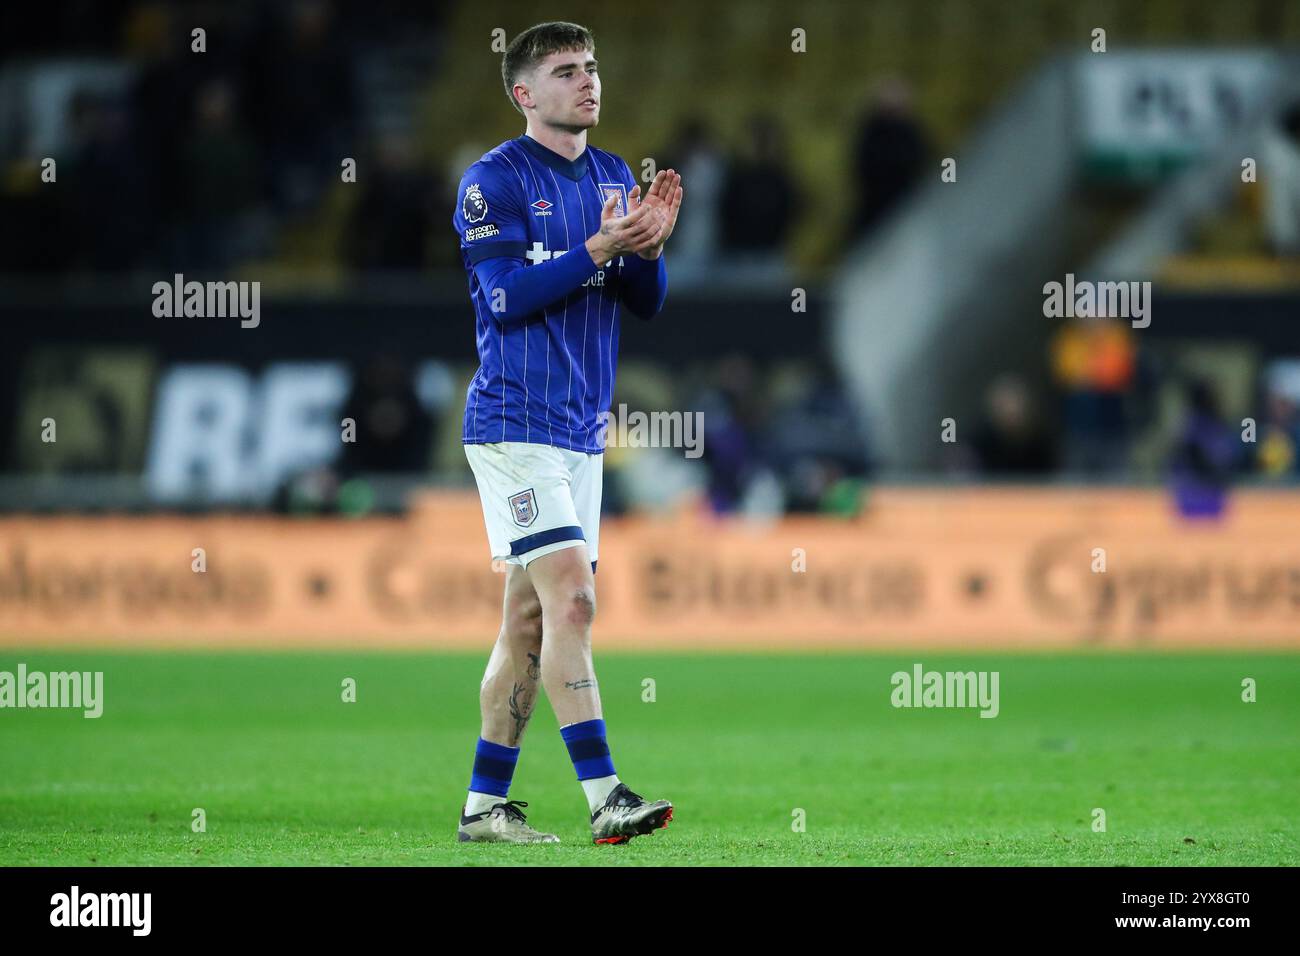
(521, 708)
(534, 667)
(580, 684)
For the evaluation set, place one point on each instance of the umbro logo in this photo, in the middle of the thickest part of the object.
(542, 207)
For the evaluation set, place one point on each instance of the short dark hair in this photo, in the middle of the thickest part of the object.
(536, 44)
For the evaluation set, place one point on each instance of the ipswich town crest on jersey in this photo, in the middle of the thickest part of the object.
(523, 507)
(614, 189)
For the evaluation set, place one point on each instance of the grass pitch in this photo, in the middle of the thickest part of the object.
(287, 773)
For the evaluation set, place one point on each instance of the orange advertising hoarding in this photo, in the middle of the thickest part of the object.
(956, 568)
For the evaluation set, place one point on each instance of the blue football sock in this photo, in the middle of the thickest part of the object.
(587, 749)
(494, 767)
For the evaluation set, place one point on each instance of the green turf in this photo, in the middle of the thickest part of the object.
(289, 774)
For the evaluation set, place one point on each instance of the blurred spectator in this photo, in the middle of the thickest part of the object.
(162, 98)
(393, 430)
(889, 155)
(1282, 178)
(1094, 364)
(107, 205)
(733, 416)
(759, 199)
(306, 113)
(33, 231)
(392, 434)
(219, 170)
(1012, 438)
(817, 444)
(695, 155)
(391, 226)
(1279, 437)
(1205, 456)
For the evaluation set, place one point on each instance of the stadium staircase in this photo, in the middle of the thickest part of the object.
(918, 306)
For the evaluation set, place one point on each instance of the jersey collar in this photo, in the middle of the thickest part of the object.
(575, 170)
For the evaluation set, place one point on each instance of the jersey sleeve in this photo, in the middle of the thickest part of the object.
(645, 284)
(489, 216)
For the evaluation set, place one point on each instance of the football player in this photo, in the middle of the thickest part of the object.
(557, 240)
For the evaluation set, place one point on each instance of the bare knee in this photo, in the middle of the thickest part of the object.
(524, 623)
(577, 606)
(563, 581)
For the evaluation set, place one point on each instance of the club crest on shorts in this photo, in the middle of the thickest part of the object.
(614, 189)
(523, 507)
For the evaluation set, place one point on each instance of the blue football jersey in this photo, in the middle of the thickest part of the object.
(548, 377)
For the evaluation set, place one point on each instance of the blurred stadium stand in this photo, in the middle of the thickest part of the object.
(924, 299)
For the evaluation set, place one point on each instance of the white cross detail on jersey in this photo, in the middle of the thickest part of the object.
(538, 254)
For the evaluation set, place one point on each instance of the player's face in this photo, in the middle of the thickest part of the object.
(566, 90)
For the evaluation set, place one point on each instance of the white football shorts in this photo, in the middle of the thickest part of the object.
(537, 499)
